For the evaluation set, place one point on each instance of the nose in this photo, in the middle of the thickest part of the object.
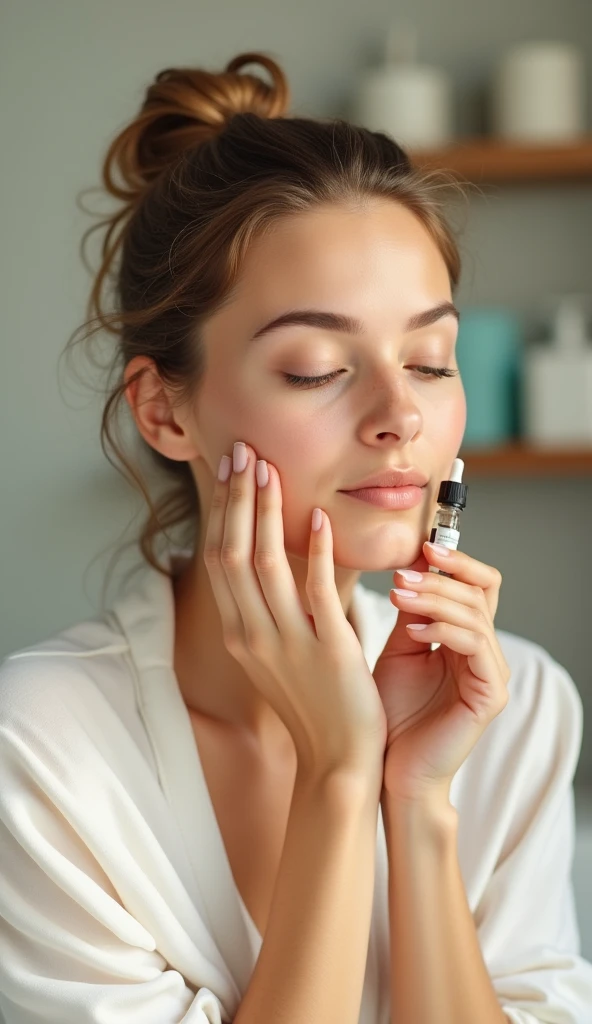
(398, 408)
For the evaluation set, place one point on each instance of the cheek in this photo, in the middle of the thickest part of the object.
(303, 442)
(446, 424)
(458, 420)
(456, 424)
(300, 442)
(299, 445)
(305, 451)
(301, 452)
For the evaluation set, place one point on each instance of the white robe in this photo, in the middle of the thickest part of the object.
(117, 901)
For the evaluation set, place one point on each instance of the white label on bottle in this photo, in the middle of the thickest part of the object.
(447, 536)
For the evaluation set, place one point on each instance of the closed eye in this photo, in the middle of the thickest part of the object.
(302, 382)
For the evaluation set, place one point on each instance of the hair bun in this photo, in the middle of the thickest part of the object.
(186, 106)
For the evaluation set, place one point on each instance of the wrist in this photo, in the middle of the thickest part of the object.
(351, 783)
(431, 812)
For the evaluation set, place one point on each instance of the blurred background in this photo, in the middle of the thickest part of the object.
(499, 94)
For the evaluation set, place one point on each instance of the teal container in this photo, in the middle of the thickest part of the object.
(489, 357)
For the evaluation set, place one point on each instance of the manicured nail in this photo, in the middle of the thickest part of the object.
(440, 549)
(261, 472)
(410, 575)
(417, 625)
(239, 456)
(317, 518)
(224, 468)
(404, 593)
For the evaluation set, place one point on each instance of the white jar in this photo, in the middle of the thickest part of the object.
(410, 101)
(539, 93)
(557, 381)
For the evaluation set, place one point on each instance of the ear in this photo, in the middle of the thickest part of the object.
(163, 426)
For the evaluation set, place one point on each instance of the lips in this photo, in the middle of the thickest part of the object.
(390, 498)
(392, 478)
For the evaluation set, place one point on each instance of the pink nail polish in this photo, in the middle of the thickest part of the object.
(239, 456)
(440, 549)
(262, 473)
(410, 575)
(317, 519)
(224, 468)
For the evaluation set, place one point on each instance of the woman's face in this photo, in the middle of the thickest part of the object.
(380, 266)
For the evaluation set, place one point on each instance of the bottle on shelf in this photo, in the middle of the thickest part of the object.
(557, 381)
(408, 100)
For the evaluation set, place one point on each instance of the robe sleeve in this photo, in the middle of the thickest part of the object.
(71, 949)
(527, 919)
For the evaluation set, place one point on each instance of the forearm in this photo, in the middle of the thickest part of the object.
(438, 975)
(313, 958)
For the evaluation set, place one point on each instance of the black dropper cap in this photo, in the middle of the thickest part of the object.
(453, 492)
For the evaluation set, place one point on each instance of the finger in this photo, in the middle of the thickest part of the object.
(232, 623)
(468, 570)
(271, 562)
(442, 609)
(237, 550)
(463, 593)
(487, 689)
(433, 582)
(329, 617)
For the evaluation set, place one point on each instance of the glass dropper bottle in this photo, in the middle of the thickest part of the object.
(452, 498)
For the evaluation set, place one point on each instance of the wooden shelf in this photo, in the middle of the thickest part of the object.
(518, 459)
(489, 160)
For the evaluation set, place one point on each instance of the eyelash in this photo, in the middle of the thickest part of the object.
(301, 382)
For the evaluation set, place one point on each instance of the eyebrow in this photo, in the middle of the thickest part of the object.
(350, 325)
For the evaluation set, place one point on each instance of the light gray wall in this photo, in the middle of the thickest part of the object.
(71, 73)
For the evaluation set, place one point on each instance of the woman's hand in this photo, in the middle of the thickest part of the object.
(313, 674)
(438, 703)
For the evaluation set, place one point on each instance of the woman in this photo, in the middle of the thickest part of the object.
(251, 791)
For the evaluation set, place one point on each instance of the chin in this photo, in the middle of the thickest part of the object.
(366, 546)
(391, 549)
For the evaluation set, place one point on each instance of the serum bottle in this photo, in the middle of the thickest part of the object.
(452, 498)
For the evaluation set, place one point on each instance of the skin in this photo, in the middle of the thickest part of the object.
(379, 264)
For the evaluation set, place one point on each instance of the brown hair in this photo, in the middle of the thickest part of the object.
(208, 164)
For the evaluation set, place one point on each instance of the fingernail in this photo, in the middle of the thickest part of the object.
(317, 518)
(239, 456)
(404, 593)
(410, 575)
(224, 468)
(417, 625)
(440, 549)
(261, 472)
